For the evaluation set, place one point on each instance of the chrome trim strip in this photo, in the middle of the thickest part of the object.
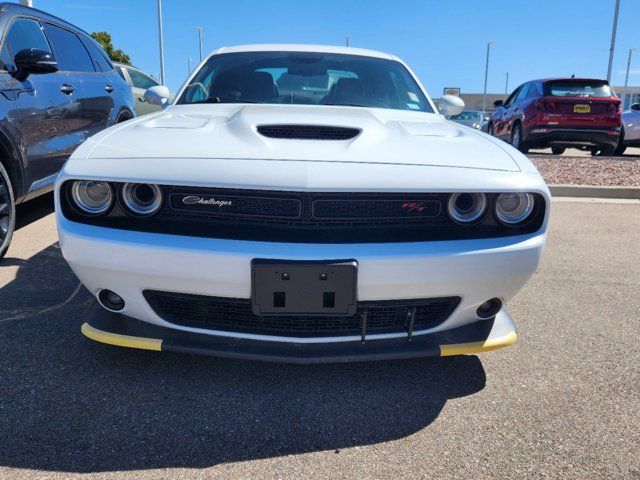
(42, 183)
(277, 338)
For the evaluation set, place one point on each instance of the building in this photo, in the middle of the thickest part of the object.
(473, 101)
(629, 96)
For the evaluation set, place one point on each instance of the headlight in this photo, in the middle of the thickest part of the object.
(467, 207)
(512, 208)
(141, 199)
(93, 198)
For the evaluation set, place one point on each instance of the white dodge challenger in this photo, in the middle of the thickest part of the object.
(303, 204)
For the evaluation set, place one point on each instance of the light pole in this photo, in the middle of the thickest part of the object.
(199, 29)
(160, 39)
(189, 65)
(347, 40)
(506, 84)
(613, 39)
(626, 77)
(486, 75)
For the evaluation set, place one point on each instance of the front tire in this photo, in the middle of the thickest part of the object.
(516, 139)
(621, 147)
(490, 129)
(558, 150)
(7, 211)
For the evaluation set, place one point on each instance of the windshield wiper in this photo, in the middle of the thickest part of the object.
(230, 100)
(345, 105)
(224, 100)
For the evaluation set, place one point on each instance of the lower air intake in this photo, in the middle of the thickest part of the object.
(235, 315)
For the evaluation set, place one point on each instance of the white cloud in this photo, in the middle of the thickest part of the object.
(632, 71)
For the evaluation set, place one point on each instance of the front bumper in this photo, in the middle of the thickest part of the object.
(119, 330)
(130, 262)
(545, 135)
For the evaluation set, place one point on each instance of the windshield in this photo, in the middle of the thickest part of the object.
(579, 88)
(303, 78)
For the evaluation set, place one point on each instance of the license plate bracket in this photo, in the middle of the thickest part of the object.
(304, 288)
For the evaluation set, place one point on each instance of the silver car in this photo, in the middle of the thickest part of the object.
(139, 82)
(630, 135)
(471, 118)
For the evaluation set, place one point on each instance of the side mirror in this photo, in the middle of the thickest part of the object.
(158, 95)
(32, 61)
(498, 103)
(451, 105)
(635, 106)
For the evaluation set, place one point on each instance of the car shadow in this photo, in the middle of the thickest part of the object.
(33, 210)
(71, 405)
(548, 153)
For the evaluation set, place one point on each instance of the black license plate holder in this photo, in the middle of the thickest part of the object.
(304, 288)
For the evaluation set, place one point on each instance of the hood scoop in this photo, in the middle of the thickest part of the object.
(308, 132)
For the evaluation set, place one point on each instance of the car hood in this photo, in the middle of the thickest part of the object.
(230, 132)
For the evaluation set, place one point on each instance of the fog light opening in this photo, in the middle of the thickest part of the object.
(489, 309)
(111, 300)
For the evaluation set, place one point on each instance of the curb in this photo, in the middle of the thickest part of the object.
(593, 191)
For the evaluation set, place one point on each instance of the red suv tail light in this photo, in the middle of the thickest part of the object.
(545, 106)
(612, 108)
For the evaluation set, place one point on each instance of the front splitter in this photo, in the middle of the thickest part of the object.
(116, 329)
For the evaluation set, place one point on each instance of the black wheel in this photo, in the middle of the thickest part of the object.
(516, 139)
(558, 150)
(603, 151)
(490, 129)
(7, 212)
(124, 116)
(621, 147)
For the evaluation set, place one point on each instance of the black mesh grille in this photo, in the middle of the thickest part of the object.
(415, 208)
(308, 132)
(235, 315)
(239, 206)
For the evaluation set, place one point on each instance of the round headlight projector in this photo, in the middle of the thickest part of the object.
(512, 208)
(467, 207)
(141, 199)
(92, 197)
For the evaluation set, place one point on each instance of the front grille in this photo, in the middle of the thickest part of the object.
(306, 217)
(405, 208)
(235, 315)
(308, 132)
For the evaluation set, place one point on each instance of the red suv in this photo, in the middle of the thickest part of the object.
(560, 112)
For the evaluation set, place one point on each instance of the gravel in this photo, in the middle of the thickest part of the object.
(601, 171)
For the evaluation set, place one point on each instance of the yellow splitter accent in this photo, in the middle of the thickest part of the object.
(478, 347)
(121, 340)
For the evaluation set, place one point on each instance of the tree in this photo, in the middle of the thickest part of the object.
(104, 39)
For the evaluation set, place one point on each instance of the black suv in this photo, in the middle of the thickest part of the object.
(57, 88)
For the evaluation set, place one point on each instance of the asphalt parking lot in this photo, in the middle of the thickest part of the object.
(562, 403)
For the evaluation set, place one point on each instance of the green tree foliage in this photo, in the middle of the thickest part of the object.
(104, 39)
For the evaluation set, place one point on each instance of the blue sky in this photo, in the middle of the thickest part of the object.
(444, 41)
